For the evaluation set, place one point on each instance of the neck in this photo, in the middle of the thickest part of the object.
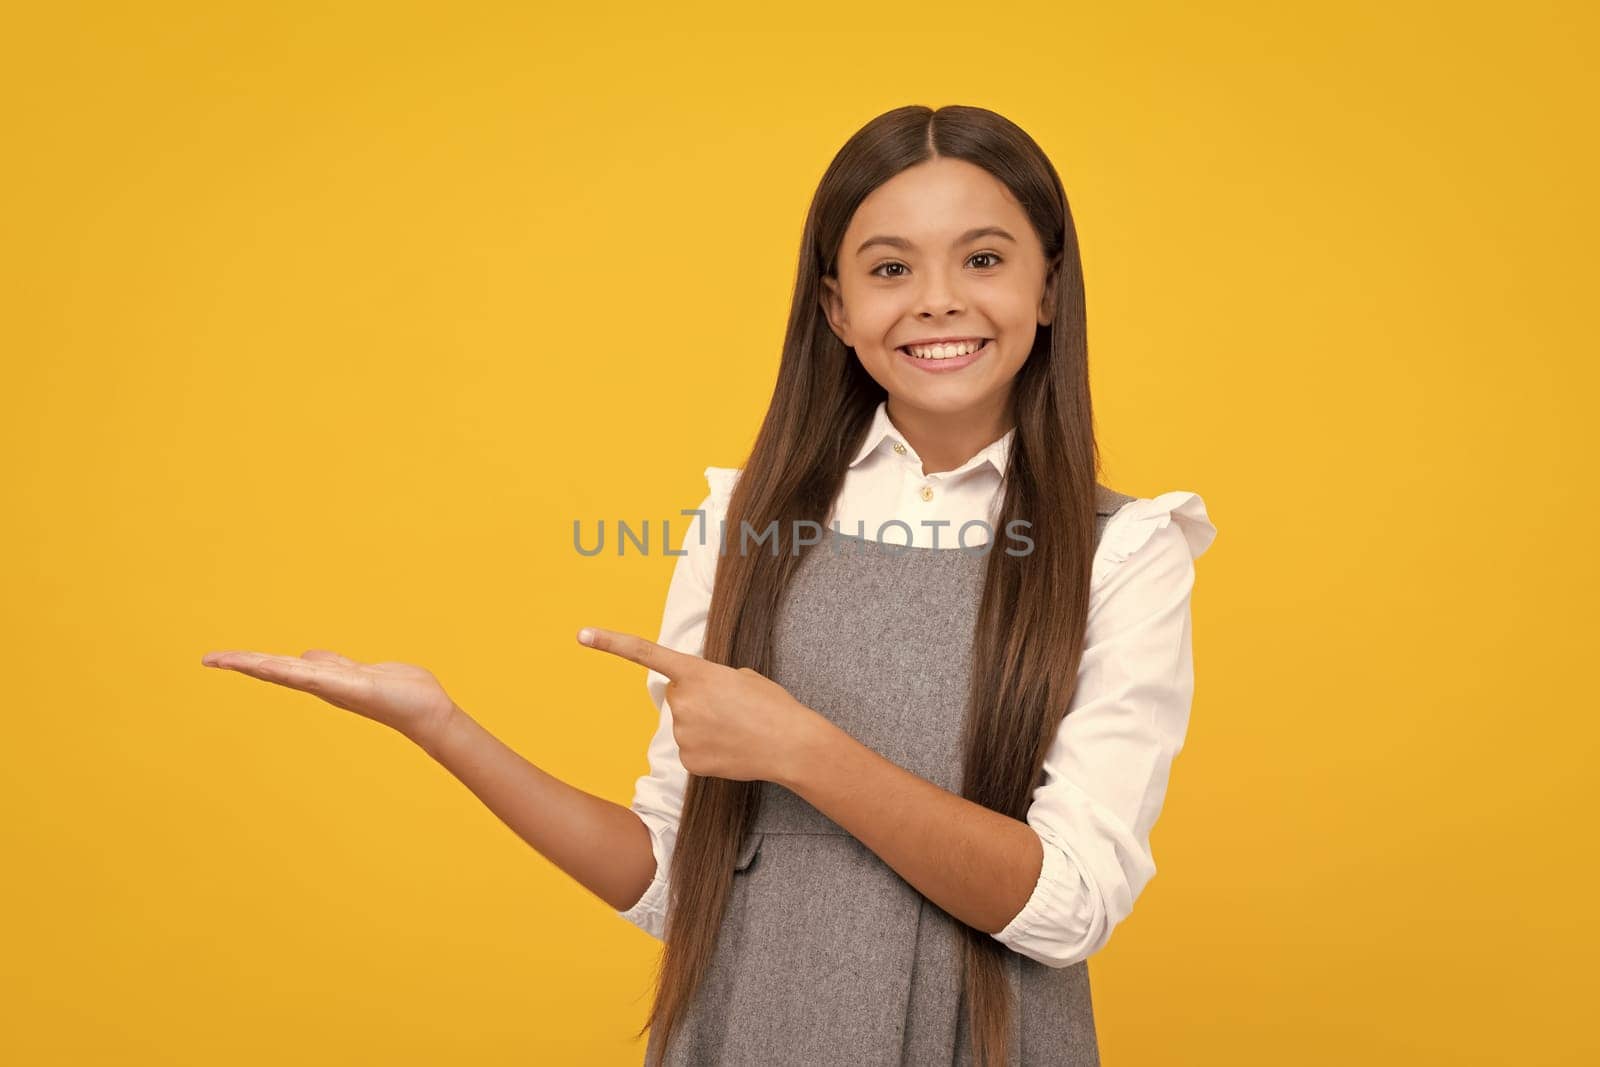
(947, 439)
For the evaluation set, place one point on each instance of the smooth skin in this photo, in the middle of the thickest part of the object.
(934, 280)
(976, 864)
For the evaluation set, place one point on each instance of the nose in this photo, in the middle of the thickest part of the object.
(938, 296)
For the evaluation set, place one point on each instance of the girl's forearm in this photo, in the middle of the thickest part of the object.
(978, 865)
(602, 844)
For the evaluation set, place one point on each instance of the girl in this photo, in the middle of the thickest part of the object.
(904, 779)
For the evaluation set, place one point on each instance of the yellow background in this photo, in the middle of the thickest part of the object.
(320, 328)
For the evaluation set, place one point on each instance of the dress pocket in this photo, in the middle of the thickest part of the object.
(748, 850)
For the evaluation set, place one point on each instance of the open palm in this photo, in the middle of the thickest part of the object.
(403, 696)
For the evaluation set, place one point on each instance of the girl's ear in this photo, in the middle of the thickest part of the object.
(1047, 303)
(833, 307)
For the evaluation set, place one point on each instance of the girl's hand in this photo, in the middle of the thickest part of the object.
(399, 695)
(729, 723)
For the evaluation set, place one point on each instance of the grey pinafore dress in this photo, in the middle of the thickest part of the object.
(825, 954)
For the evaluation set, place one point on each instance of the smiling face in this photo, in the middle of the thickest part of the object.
(941, 251)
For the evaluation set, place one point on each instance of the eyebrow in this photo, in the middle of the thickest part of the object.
(905, 245)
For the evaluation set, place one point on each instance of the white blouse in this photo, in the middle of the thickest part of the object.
(1106, 771)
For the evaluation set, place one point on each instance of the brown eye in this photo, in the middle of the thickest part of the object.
(980, 255)
(880, 266)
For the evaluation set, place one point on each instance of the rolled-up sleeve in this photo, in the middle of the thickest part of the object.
(1106, 772)
(658, 794)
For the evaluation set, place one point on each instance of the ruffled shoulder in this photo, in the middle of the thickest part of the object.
(721, 480)
(1133, 524)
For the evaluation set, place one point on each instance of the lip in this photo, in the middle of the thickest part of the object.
(945, 366)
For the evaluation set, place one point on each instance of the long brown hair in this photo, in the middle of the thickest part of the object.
(1031, 620)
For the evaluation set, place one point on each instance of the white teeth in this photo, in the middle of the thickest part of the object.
(950, 351)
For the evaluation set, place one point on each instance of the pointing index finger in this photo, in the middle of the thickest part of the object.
(648, 654)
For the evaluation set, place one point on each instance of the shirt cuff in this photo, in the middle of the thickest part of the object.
(650, 913)
(1058, 925)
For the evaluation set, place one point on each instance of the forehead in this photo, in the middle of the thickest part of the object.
(935, 201)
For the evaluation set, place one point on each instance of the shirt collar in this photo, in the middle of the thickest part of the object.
(883, 434)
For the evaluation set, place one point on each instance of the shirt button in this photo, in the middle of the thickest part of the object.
(900, 448)
(927, 492)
